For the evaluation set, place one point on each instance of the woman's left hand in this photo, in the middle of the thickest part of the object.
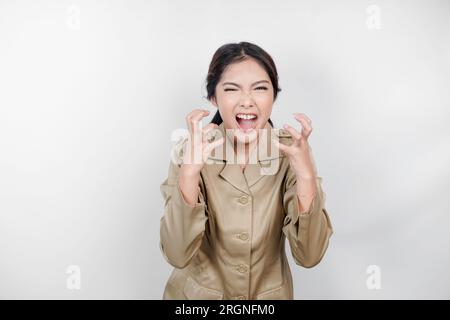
(299, 152)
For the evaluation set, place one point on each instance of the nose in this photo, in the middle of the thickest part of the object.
(246, 100)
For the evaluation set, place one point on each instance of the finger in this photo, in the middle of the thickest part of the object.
(211, 146)
(306, 124)
(194, 124)
(194, 117)
(294, 133)
(280, 146)
(209, 127)
(190, 115)
(302, 115)
(210, 134)
(195, 120)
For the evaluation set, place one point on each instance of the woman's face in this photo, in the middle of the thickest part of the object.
(244, 96)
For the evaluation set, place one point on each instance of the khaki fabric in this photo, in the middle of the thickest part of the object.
(231, 244)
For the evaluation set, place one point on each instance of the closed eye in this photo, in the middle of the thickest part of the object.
(258, 88)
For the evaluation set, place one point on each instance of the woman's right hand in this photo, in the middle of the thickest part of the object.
(198, 148)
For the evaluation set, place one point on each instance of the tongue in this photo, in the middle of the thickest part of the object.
(246, 124)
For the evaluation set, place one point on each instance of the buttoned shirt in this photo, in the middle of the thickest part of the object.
(231, 243)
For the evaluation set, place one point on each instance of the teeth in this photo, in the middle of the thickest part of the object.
(246, 116)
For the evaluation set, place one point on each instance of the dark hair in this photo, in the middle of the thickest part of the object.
(235, 52)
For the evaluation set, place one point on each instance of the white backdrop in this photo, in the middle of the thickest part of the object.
(90, 92)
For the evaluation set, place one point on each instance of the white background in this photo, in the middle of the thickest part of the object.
(90, 92)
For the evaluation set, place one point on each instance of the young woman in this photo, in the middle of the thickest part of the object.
(225, 220)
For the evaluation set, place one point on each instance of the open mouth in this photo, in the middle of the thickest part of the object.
(246, 121)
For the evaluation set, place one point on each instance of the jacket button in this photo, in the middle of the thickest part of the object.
(242, 268)
(243, 236)
(243, 199)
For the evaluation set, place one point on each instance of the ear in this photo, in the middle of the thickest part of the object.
(214, 102)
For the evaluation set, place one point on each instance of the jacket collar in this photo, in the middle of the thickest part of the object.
(264, 158)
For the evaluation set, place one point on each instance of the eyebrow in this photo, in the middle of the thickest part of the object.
(235, 84)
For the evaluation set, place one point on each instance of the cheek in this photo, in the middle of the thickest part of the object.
(265, 103)
(230, 99)
(226, 106)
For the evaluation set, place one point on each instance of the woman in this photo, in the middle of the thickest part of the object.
(226, 220)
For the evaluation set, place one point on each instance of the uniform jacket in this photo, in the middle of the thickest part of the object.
(231, 244)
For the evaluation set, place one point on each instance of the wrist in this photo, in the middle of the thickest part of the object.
(306, 177)
(188, 172)
(303, 174)
(302, 170)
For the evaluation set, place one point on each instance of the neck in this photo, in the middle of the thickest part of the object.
(248, 147)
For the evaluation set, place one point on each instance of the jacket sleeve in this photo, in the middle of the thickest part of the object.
(182, 226)
(308, 233)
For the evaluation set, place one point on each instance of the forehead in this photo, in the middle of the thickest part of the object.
(246, 70)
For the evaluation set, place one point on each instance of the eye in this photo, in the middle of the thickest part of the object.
(263, 88)
(229, 89)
